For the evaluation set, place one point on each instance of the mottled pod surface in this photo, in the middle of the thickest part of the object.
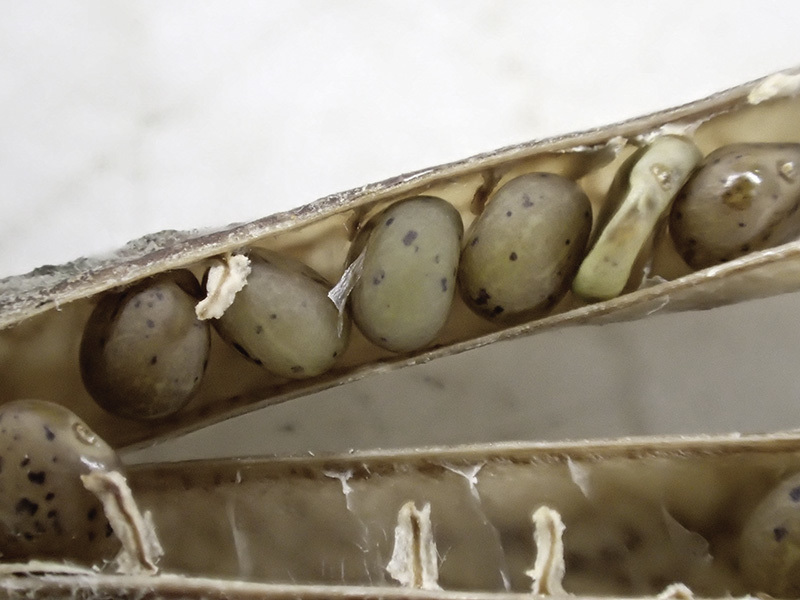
(404, 291)
(744, 198)
(283, 319)
(45, 512)
(144, 351)
(521, 253)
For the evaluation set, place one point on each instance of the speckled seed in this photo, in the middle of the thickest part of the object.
(769, 547)
(45, 512)
(283, 319)
(405, 289)
(521, 253)
(744, 198)
(144, 352)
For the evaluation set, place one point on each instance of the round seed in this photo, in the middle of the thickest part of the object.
(143, 351)
(744, 198)
(769, 546)
(45, 512)
(405, 289)
(520, 254)
(283, 319)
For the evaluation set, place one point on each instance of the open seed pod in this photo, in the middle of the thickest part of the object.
(638, 515)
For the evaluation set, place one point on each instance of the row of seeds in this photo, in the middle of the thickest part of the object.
(144, 351)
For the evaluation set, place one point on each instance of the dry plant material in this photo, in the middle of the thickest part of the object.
(658, 516)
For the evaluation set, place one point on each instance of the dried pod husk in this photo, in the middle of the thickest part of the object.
(43, 314)
(639, 516)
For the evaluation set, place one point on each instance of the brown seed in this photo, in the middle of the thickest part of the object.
(744, 198)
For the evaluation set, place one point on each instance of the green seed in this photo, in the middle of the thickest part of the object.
(144, 352)
(406, 285)
(644, 188)
(521, 253)
(744, 198)
(283, 319)
(769, 547)
(45, 512)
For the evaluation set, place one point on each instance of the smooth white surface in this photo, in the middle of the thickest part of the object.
(119, 119)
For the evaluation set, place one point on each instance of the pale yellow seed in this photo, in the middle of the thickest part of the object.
(654, 181)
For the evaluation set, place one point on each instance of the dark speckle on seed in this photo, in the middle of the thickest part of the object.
(297, 369)
(109, 531)
(378, 277)
(92, 514)
(512, 256)
(51, 514)
(794, 494)
(482, 298)
(497, 310)
(742, 224)
(444, 284)
(49, 496)
(25, 461)
(153, 359)
(474, 241)
(259, 329)
(436, 259)
(48, 433)
(567, 242)
(25, 506)
(389, 221)
(526, 201)
(509, 213)
(150, 323)
(36, 477)
(409, 237)
(779, 533)
(273, 316)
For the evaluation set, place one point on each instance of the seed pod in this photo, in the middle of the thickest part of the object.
(283, 319)
(405, 288)
(521, 253)
(769, 548)
(643, 190)
(143, 351)
(45, 512)
(744, 198)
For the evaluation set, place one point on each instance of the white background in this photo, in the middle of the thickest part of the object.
(120, 119)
